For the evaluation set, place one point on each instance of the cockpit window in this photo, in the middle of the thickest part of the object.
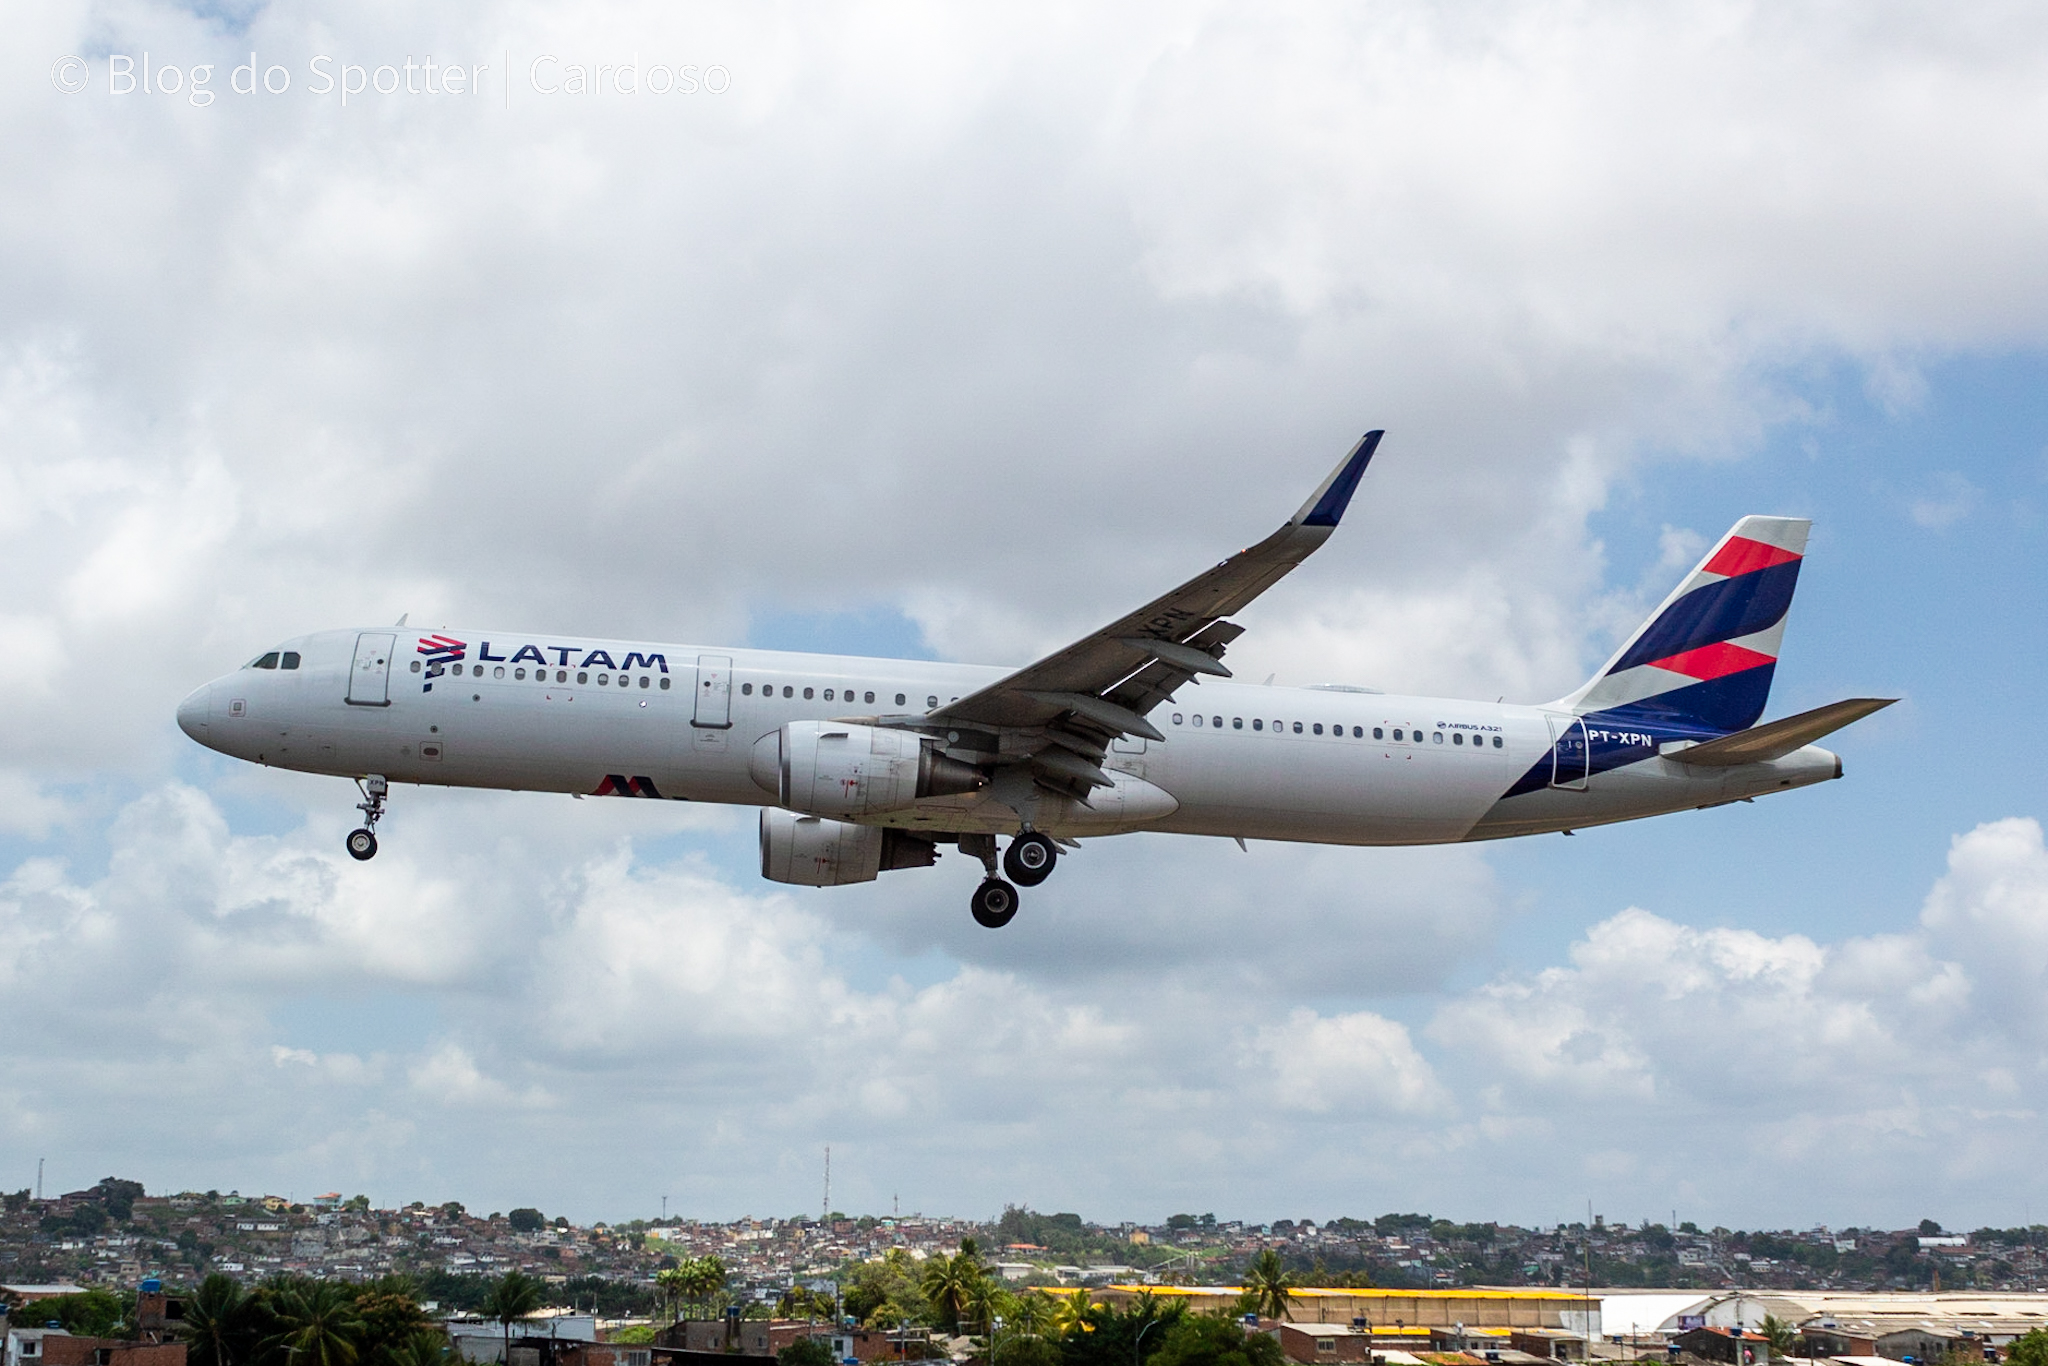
(290, 661)
(268, 661)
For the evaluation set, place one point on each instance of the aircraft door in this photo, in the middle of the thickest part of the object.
(714, 693)
(369, 677)
(1570, 755)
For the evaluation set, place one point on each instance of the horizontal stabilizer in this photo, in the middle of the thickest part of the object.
(1761, 744)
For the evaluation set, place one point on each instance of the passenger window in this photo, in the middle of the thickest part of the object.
(1358, 732)
(1237, 723)
(415, 666)
(828, 694)
(746, 690)
(807, 694)
(1319, 728)
(867, 697)
(498, 672)
(519, 673)
(1436, 736)
(643, 680)
(1258, 724)
(788, 691)
(582, 677)
(1496, 742)
(1198, 721)
(1458, 737)
(1397, 732)
(931, 701)
(1176, 718)
(291, 659)
(561, 675)
(1297, 728)
(664, 684)
(604, 680)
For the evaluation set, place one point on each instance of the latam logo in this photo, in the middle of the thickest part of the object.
(441, 651)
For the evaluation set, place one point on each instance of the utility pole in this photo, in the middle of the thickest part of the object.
(825, 1214)
(664, 1209)
(39, 1180)
(1588, 1248)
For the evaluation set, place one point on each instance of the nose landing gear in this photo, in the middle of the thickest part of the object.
(362, 843)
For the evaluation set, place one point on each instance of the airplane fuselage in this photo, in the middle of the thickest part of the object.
(1326, 765)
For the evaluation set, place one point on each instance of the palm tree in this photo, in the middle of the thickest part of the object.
(512, 1297)
(1072, 1315)
(219, 1326)
(1033, 1313)
(1779, 1334)
(672, 1283)
(702, 1278)
(949, 1283)
(425, 1348)
(1270, 1285)
(317, 1323)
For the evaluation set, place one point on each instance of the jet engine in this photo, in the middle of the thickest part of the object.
(811, 851)
(829, 768)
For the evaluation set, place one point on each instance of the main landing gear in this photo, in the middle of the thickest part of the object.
(362, 844)
(1029, 861)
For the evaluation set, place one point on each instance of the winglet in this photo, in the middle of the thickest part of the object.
(1326, 505)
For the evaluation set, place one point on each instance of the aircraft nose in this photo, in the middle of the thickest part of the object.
(194, 712)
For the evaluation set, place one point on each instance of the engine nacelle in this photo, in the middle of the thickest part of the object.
(832, 769)
(811, 851)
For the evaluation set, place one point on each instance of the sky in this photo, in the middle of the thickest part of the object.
(955, 332)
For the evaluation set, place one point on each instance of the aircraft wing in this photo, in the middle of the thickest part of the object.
(1102, 685)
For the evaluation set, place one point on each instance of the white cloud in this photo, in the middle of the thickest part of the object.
(1006, 319)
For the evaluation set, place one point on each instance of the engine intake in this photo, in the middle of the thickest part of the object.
(811, 851)
(830, 769)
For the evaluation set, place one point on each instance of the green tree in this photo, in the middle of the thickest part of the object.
(1203, 1340)
(512, 1297)
(526, 1220)
(1125, 1336)
(1032, 1313)
(315, 1323)
(1270, 1286)
(1779, 1334)
(425, 1348)
(2031, 1350)
(95, 1313)
(949, 1283)
(222, 1324)
(392, 1319)
(806, 1352)
(1071, 1317)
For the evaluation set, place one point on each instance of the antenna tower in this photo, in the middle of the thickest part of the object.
(825, 1214)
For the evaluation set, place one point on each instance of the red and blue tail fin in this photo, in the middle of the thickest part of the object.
(1703, 661)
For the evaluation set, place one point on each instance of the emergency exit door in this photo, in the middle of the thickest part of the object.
(369, 677)
(714, 693)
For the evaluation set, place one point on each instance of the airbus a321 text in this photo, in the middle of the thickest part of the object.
(862, 766)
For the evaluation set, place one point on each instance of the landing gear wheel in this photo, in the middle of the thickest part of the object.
(362, 844)
(995, 902)
(1030, 858)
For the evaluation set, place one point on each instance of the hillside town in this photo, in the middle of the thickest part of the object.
(114, 1233)
(113, 1276)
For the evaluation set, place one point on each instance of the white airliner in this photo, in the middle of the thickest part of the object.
(864, 765)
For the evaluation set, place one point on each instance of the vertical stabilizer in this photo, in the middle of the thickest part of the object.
(1703, 661)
